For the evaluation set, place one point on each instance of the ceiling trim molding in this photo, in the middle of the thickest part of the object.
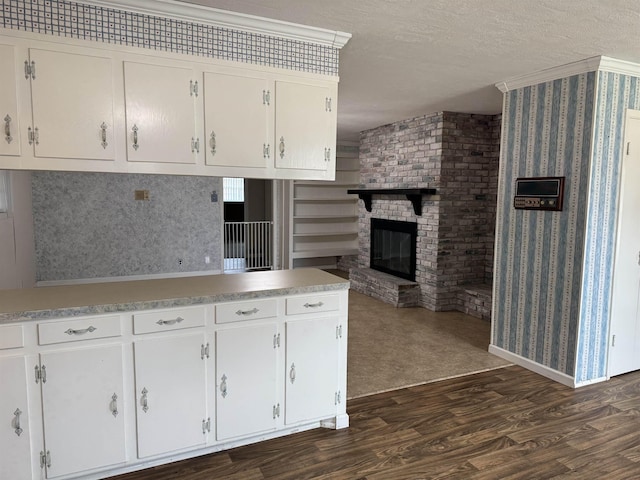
(227, 19)
(591, 64)
(623, 67)
(587, 65)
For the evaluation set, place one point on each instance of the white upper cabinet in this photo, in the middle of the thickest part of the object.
(72, 103)
(304, 118)
(15, 431)
(160, 113)
(236, 111)
(10, 142)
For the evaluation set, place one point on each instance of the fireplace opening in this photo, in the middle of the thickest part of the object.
(393, 247)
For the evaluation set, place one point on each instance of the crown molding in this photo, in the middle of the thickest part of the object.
(622, 67)
(592, 64)
(587, 65)
(226, 19)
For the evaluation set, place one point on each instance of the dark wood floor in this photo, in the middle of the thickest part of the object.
(503, 424)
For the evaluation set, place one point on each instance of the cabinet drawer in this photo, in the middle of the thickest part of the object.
(248, 310)
(11, 336)
(174, 319)
(79, 329)
(312, 304)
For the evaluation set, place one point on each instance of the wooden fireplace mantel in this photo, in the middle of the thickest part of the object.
(414, 195)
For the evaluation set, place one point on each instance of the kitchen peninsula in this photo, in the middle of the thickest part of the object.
(113, 377)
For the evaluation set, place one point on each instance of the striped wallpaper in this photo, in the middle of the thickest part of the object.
(615, 93)
(546, 131)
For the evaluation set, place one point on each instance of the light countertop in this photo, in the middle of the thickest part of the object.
(43, 303)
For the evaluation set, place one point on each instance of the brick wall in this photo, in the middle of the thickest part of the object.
(458, 155)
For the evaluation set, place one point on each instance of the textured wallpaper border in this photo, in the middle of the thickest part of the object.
(101, 24)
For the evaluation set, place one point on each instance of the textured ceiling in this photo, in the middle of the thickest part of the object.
(413, 57)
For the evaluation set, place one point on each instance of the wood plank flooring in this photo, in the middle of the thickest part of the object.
(508, 423)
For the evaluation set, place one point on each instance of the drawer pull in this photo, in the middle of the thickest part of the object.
(134, 129)
(170, 322)
(144, 401)
(313, 305)
(247, 312)
(16, 422)
(82, 331)
(292, 373)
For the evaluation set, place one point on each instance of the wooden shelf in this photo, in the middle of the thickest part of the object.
(328, 252)
(326, 234)
(324, 217)
(414, 195)
(324, 199)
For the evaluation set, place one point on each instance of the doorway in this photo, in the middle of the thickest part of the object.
(248, 224)
(624, 351)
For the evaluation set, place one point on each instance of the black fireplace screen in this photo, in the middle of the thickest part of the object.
(393, 247)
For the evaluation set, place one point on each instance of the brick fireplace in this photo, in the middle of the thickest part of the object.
(457, 154)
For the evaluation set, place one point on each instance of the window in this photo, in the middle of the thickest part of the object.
(4, 191)
(233, 189)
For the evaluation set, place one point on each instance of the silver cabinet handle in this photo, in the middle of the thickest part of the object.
(327, 104)
(16, 422)
(313, 305)
(292, 373)
(212, 142)
(223, 386)
(170, 322)
(7, 129)
(43, 374)
(134, 129)
(195, 145)
(113, 405)
(265, 150)
(103, 135)
(281, 147)
(144, 401)
(247, 312)
(266, 97)
(276, 411)
(33, 136)
(82, 331)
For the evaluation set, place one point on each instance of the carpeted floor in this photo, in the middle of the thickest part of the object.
(390, 347)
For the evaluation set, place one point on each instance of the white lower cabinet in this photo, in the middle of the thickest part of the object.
(130, 394)
(170, 377)
(15, 426)
(82, 394)
(246, 387)
(312, 348)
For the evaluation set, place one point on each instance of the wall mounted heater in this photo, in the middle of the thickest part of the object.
(539, 193)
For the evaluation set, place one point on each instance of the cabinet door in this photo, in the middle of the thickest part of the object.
(170, 393)
(82, 395)
(235, 115)
(160, 110)
(15, 432)
(312, 350)
(72, 98)
(302, 130)
(10, 142)
(246, 380)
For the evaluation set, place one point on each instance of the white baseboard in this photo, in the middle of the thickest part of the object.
(536, 367)
(155, 276)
